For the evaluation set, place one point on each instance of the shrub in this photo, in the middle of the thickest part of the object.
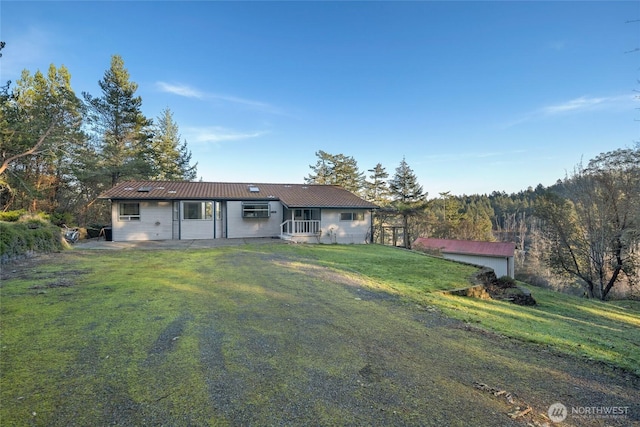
(506, 282)
(60, 218)
(26, 236)
(34, 221)
(12, 216)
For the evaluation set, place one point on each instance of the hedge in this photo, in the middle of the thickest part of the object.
(18, 239)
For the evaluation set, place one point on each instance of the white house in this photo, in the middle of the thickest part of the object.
(165, 210)
(496, 255)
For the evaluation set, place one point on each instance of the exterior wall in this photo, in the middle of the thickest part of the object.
(345, 232)
(155, 222)
(239, 227)
(193, 229)
(502, 266)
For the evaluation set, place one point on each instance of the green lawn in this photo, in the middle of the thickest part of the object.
(604, 331)
(99, 333)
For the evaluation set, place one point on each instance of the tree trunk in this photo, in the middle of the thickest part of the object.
(407, 243)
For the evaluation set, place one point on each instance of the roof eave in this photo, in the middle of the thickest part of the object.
(476, 254)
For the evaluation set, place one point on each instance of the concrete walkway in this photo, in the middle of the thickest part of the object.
(94, 244)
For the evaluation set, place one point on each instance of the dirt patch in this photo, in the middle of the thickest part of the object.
(167, 340)
(22, 268)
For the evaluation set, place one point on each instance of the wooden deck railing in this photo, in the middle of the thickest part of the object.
(300, 227)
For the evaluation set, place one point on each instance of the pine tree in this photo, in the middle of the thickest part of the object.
(404, 185)
(336, 169)
(409, 198)
(121, 133)
(40, 123)
(323, 170)
(376, 189)
(171, 159)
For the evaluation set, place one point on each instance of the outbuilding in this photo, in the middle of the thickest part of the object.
(498, 256)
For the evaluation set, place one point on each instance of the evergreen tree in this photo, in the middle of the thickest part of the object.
(408, 196)
(40, 123)
(376, 190)
(336, 169)
(171, 158)
(121, 133)
(448, 210)
(404, 186)
(323, 170)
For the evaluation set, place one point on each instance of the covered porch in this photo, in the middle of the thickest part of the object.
(299, 228)
(300, 223)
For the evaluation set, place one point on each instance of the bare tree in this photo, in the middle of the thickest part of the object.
(593, 224)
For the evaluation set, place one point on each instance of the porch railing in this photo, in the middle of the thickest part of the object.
(300, 227)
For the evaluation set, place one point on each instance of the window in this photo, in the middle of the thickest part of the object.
(306, 214)
(129, 211)
(218, 211)
(352, 216)
(255, 210)
(197, 210)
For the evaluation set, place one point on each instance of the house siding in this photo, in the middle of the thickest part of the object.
(239, 227)
(162, 209)
(155, 222)
(193, 229)
(502, 266)
(345, 232)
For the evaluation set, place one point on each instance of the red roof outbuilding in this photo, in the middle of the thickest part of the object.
(467, 247)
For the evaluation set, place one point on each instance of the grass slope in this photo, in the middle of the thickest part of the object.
(230, 335)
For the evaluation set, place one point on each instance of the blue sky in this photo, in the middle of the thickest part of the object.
(476, 96)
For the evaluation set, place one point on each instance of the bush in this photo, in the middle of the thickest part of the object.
(36, 220)
(30, 235)
(506, 282)
(12, 216)
(60, 218)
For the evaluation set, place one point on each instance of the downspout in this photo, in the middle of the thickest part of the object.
(371, 226)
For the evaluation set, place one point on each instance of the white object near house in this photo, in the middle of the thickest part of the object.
(165, 210)
(498, 256)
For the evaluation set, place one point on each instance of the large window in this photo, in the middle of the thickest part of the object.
(352, 216)
(306, 214)
(197, 210)
(255, 210)
(129, 211)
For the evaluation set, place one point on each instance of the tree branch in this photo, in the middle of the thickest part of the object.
(30, 151)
